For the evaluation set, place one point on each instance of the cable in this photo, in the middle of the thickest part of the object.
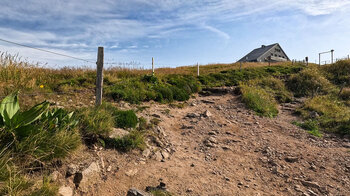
(43, 50)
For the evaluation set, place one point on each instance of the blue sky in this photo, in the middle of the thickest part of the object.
(174, 32)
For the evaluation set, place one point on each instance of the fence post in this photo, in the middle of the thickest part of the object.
(307, 61)
(152, 66)
(99, 78)
(197, 69)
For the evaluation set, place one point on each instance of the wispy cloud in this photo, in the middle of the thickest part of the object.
(79, 26)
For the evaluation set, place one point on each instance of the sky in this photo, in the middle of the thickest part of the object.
(174, 32)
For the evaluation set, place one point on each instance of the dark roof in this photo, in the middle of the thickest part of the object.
(256, 53)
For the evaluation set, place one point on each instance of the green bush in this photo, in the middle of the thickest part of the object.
(134, 140)
(273, 86)
(125, 119)
(333, 115)
(338, 72)
(97, 121)
(259, 100)
(309, 82)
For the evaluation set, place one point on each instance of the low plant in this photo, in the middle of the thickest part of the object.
(311, 126)
(134, 140)
(97, 121)
(125, 119)
(309, 82)
(259, 100)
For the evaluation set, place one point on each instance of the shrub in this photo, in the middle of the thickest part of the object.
(309, 82)
(345, 94)
(164, 94)
(311, 126)
(134, 140)
(259, 100)
(96, 121)
(274, 86)
(150, 78)
(333, 115)
(125, 119)
(338, 72)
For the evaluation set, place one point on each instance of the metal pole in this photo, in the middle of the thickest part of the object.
(99, 78)
(152, 66)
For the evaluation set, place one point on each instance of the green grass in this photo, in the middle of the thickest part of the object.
(97, 121)
(134, 140)
(259, 100)
(311, 126)
(161, 193)
(125, 119)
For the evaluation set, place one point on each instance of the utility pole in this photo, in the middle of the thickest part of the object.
(99, 78)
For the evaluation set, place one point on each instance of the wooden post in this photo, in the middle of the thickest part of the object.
(332, 56)
(152, 66)
(319, 59)
(99, 78)
(307, 61)
(197, 69)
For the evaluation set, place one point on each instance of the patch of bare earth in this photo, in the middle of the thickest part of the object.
(215, 146)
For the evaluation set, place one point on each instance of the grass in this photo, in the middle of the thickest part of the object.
(311, 126)
(161, 193)
(259, 100)
(125, 119)
(134, 140)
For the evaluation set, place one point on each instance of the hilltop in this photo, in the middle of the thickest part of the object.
(279, 130)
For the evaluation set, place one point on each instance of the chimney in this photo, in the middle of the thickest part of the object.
(263, 46)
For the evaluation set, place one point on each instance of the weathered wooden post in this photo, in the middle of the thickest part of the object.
(307, 61)
(332, 55)
(99, 78)
(152, 66)
(197, 69)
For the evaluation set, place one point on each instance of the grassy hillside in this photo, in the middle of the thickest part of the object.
(69, 117)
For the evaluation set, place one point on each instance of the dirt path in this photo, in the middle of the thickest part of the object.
(230, 151)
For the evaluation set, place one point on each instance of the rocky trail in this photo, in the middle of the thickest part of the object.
(215, 146)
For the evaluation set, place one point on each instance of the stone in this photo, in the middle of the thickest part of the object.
(156, 115)
(71, 169)
(136, 192)
(109, 168)
(192, 115)
(65, 191)
(146, 153)
(89, 176)
(310, 184)
(207, 114)
(118, 133)
(54, 176)
(131, 172)
(212, 140)
(291, 159)
(158, 156)
(165, 155)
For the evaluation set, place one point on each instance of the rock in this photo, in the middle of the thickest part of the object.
(77, 179)
(310, 184)
(212, 133)
(72, 169)
(165, 155)
(297, 188)
(156, 115)
(208, 101)
(207, 114)
(312, 193)
(136, 192)
(192, 115)
(131, 172)
(158, 156)
(54, 176)
(346, 145)
(89, 175)
(65, 191)
(212, 140)
(146, 153)
(118, 133)
(291, 159)
(109, 168)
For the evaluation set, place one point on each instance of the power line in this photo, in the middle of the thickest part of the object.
(43, 50)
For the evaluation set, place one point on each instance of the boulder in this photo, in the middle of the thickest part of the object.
(207, 114)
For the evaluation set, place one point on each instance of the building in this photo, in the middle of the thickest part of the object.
(270, 53)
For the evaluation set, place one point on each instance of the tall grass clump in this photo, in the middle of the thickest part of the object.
(309, 82)
(331, 113)
(273, 86)
(259, 100)
(125, 119)
(96, 121)
(338, 73)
